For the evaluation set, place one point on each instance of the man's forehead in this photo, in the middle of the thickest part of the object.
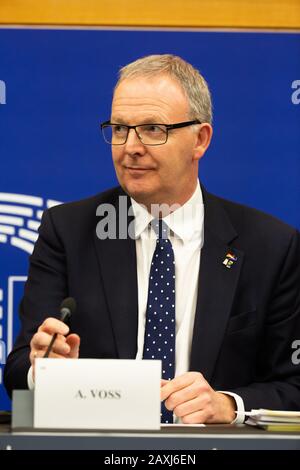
(144, 86)
(153, 94)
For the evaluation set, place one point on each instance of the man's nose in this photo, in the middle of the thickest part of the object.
(133, 143)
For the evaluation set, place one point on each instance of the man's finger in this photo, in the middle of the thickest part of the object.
(41, 341)
(53, 325)
(73, 341)
(186, 395)
(178, 383)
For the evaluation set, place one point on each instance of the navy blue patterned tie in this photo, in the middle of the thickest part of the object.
(160, 316)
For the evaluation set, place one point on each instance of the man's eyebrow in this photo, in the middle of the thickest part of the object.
(117, 120)
(146, 120)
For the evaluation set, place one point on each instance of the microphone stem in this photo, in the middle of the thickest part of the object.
(50, 345)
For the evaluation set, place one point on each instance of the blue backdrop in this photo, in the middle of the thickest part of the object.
(56, 87)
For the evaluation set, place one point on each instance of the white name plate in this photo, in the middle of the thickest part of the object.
(97, 394)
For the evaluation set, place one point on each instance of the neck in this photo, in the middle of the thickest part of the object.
(160, 209)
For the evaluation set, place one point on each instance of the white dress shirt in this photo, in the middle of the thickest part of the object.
(187, 237)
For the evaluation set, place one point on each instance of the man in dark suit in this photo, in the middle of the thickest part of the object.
(237, 271)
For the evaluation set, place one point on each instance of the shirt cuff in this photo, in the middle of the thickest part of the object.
(240, 407)
(30, 381)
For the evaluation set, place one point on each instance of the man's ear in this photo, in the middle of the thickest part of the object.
(204, 136)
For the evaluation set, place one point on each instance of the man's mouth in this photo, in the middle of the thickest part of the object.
(137, 168)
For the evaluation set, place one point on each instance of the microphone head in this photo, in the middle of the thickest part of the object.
(69, 303)
(67, 308)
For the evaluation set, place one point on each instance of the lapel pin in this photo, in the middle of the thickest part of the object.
(229, 260)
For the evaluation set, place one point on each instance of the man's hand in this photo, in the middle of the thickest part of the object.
(63, 347)
(194, 401)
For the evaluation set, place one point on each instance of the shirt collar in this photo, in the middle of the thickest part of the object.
(186, 222)
(142, 218)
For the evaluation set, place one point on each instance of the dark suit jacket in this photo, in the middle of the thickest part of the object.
(246, 317)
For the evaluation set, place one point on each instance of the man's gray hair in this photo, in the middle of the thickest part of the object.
(192, 82)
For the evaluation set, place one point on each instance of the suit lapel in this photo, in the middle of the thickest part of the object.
(117, 261)
(216, 289)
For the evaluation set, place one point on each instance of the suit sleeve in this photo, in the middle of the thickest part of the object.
(278, 386)
(44, 290)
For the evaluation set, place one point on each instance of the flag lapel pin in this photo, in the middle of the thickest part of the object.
(229, 260)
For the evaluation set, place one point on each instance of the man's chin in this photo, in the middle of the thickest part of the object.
(139, 192)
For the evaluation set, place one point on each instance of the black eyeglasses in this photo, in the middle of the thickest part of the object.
(149, 134)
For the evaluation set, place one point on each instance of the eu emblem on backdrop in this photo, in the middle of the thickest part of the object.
(20, 217)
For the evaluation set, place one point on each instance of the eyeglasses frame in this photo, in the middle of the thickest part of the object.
(168, 127)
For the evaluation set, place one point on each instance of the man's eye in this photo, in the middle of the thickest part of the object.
(153, 129)
(119, 129)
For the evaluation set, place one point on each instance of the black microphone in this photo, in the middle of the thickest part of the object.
(67, 308)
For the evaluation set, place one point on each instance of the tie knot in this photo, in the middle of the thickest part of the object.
(160, 228)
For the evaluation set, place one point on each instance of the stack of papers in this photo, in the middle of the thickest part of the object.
(274, 420)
